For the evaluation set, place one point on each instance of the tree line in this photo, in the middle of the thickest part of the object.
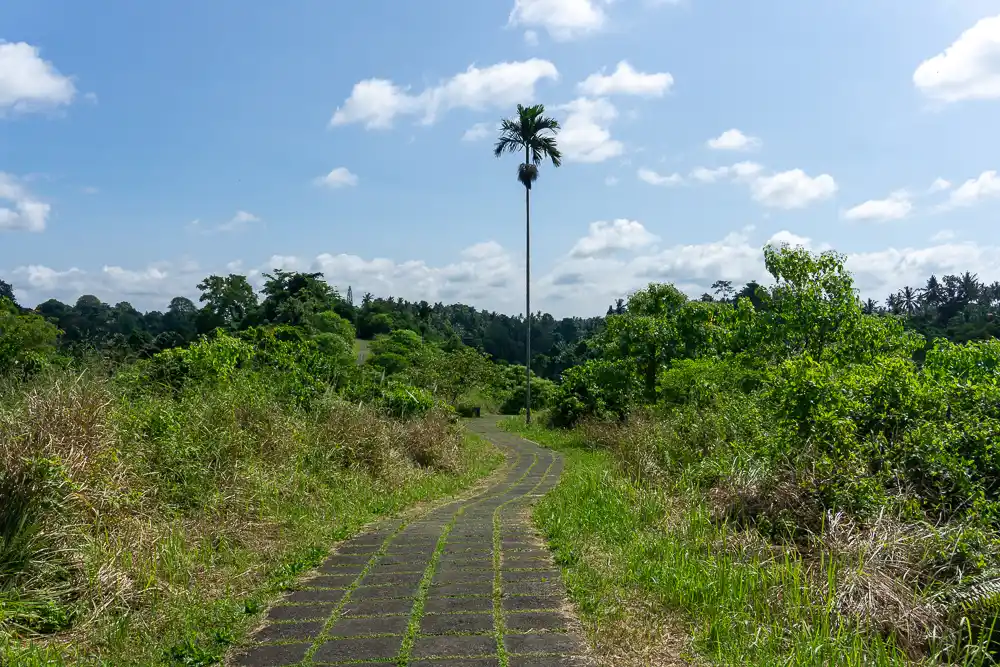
(121, 332)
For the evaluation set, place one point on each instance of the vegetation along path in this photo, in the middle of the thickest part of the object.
(466, 584)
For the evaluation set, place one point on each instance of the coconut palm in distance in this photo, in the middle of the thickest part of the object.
(533, 133)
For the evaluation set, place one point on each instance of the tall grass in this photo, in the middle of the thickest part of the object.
(140, 527)
(642, 518)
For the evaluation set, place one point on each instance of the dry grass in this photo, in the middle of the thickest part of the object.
(130, 521)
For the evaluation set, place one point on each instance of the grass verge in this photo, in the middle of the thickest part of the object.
(145, 529)
(658, 582)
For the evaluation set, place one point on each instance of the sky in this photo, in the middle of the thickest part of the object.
(146, 145)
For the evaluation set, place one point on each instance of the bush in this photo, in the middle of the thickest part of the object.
(405, 401)
(542, 392)
(598, 388)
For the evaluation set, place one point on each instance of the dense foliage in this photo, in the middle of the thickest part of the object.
(121, 332)
(799, 412)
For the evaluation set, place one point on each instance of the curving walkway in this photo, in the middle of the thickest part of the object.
(467, 584)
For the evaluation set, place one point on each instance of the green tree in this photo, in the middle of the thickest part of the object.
(7, 292)
(292, 297)
(534, 133)
(27, 340)
(228, 300)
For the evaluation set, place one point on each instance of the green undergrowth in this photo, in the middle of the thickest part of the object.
(153, 528)
(625, 543)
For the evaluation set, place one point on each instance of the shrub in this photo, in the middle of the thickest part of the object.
(405, 401)
(598, 388)
(542, 391)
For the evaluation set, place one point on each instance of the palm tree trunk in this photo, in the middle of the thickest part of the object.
(527, 293)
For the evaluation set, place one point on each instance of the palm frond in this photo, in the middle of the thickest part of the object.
(531, 131)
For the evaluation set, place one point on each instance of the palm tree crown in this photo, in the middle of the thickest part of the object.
(534, 133)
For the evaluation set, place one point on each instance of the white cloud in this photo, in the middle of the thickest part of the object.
(28, 83)
(939, 185)
(894, 207)
(787, 189)
(486, 275)
(146, 288)
(338, 178)
(19, 210)
(653, 178)
(605, 238)
(734, 140)
(562, 19)
(943, 235)
(968, 69)
(240, 221)
(706, 175)
(625, 80)
(880, 272)
(974, 190)
(611, 180)
(791, 189)
(791, 239)
(480, 131)
(584, 136)
(377, 102)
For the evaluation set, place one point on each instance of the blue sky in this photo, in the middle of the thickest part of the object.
(146, 145)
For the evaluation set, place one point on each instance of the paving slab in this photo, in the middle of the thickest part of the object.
(365, 602)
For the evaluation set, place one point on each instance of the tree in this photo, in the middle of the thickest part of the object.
(227, 300)
(27, 340)
(7, 292)
(292, 297)
(724, 289)
(534, 133)
(908, 299)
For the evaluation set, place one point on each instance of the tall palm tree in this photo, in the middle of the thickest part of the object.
(908, 299)
(534, 133)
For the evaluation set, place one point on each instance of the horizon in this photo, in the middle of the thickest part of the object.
(313, 137)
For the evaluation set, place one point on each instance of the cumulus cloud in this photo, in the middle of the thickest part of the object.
(611, 260)
(653, 178)
(939, 185)
(480, 131)
(792, 189)
(341, 177)
(975, 190)
(29, 83)
(734, 140)
(606, 238)
(240, 222)
(894, 207)
(19, 210)
(585, 136)
(376, 103)
(968, 69)
(562, 19)
(625, 80)
(706, 175)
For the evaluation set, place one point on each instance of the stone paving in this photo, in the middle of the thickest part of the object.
(466, 584)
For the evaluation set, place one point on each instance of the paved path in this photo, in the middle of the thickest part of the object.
(467, 584)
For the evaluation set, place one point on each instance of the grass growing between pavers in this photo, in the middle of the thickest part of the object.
(654, 585)
(188, 586)
(417, 614)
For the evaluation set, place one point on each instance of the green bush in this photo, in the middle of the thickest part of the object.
(542, 392)
(598, 388)
(406, 401)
